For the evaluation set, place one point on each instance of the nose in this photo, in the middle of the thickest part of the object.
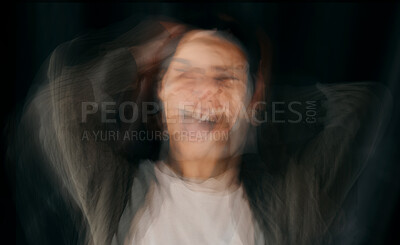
(206, 88)
(207, 94)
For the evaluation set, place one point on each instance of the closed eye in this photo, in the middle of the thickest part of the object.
(187, 74)
(181, 69)
(226, 78)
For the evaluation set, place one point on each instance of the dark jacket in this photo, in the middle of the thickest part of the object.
(296, 182)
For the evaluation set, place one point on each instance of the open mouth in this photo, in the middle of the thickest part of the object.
(192, 121)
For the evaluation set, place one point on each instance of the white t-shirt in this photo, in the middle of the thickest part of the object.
(182, 211)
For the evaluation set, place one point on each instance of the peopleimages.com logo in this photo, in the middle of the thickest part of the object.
(275, 112)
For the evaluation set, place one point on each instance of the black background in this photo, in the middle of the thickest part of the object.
(312, 42)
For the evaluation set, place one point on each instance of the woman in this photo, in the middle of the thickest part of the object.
(200, 185)
(198, 197)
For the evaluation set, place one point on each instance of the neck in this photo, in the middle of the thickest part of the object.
(201, 168)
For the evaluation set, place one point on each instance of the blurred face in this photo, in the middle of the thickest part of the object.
(203, 92)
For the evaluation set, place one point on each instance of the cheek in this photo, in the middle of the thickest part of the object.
(235, 98)
(175, 97)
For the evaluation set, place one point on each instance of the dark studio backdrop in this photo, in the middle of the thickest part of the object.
(311, 42)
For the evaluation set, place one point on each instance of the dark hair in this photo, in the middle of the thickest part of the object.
(149, 74)
(95, 177)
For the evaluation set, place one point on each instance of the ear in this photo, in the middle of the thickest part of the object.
(263, 73)
(260, 86)
(160, 86)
